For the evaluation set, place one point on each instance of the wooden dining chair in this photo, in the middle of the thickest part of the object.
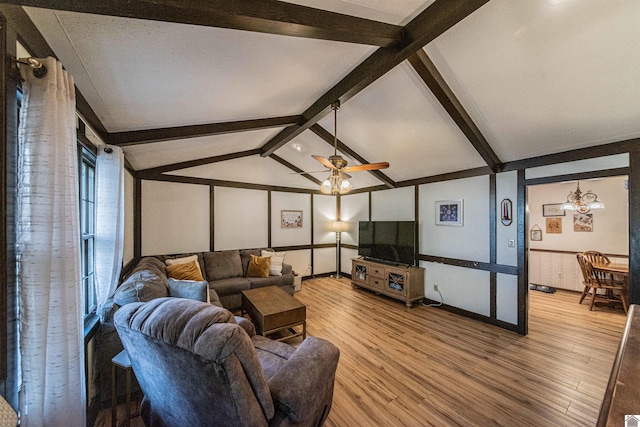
(596, 257)
(594, 280)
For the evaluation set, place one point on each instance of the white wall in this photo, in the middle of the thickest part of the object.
(300, 261)
(507, 188)
(610, 225)
(469, 242)
(324, 214)
(393, 205)
(290, 236)
(241, 219)
(579, 166)
(465, 288)
(175, 218)
(128, 217)
(354, 208)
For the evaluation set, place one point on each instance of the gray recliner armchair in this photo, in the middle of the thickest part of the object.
(197, 367)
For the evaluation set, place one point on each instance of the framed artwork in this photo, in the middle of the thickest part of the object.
(449, 212)
(535, 234)
(290, 219)
(554, 225)
(583, 222)
(553, 210)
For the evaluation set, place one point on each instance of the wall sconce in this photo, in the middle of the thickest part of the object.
(506, 212)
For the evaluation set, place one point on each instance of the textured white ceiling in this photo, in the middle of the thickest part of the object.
(253, 169)
(540, 77)
(142, 74)
(397, 12)
(536, 76)
(398, 120)
(145, 156)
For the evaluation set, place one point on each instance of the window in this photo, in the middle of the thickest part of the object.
(87, 228)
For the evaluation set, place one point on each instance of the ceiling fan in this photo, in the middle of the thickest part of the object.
(338, 182)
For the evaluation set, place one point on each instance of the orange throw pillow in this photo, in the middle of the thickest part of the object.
(186, 271)
(259, 266)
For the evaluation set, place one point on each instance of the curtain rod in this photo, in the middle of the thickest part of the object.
(39, 69)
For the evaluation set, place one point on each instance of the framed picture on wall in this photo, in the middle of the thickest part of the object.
(554, 225)
(449, 212)
(535, 234)
(553, 210)
(583, 222)
(290, 219)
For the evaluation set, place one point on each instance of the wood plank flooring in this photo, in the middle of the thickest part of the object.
(425, 366)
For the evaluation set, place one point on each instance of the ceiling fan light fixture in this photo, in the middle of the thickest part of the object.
(335, 185)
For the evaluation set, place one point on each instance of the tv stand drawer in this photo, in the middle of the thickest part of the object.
(377, 272)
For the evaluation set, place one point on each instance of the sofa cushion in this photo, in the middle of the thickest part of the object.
(199, 255)
(141, 286)
(231, 286)
(222, 264)
(184, 260)
(277, 259)
(245, 256)
(190, 289)
(259, 266)
(187, 271)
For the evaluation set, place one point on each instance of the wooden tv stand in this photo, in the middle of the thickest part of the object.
(404, 283)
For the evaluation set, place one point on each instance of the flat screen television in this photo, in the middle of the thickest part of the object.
(387, 241)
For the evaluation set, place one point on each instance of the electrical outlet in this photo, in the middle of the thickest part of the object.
(435, 288)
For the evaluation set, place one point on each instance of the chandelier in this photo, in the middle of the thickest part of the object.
(583, 203)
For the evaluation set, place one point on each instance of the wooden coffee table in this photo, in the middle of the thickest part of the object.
(273, 310)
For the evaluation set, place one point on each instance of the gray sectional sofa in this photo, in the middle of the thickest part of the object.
(224, 271)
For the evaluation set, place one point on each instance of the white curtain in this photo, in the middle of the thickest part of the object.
(109, 220)
(48, 246)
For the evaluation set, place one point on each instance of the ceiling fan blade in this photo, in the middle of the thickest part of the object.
(324, 161)
(366, 167)
(303, 172)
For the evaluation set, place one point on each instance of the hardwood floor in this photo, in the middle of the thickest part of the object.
(425, 366)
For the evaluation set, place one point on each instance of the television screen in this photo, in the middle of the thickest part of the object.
(391, 241)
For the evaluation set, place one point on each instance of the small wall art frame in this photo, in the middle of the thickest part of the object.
(449, 212)
(290, 219)
(554, 225)
(535, 233)
(583, 222)
(553, 210)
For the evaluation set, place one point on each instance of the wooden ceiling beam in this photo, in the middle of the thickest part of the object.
(295, 169)
(430, 75)
(199, 162)
(328, 138)
(424, 28)
(264, 16)
(183, 132)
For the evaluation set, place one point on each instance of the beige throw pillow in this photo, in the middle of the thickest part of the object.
(277, 258)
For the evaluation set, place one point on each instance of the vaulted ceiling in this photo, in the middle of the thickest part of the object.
(241, 91)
